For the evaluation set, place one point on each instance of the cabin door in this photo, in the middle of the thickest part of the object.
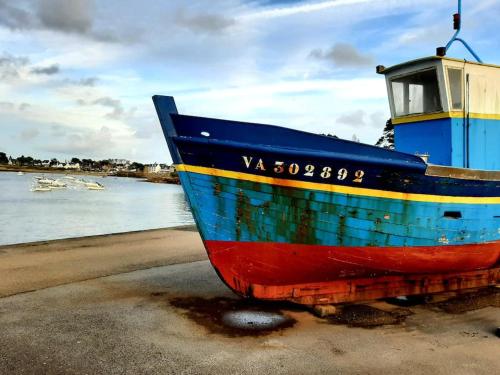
(467, 122)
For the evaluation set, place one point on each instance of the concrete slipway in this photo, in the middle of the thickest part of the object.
(150, 303)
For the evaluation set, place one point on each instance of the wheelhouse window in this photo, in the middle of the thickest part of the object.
(455, 81)
(416, 93)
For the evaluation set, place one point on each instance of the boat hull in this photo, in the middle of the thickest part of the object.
(282, 211)
(284, 264)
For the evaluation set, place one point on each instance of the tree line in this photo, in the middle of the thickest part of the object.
(85, 164)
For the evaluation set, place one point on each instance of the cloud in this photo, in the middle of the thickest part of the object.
(360, 117)
(8, 106)
(377, 119)
(24, 106)
(89, 81)
(86, 82)
(58, 130)
(73, 16)
(146, 132)
(355, 118)
(305, 7)
(115, 104)
(343, 55)
(48, 70)
(118, 111)
(66, 16)
(207, 22)
(11, 65)
(12, 17)
(29, 134)
(84, 142)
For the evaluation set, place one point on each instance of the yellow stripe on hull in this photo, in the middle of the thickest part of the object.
(441, 115)
(337, 188)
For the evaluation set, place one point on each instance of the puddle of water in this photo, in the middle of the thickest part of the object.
(470, 301)
(408, 301)
(368, 317)
(235, 317)
(253, 320)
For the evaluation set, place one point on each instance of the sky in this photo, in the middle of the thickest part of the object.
(77, 76)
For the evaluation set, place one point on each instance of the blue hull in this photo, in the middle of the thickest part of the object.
(268, 200)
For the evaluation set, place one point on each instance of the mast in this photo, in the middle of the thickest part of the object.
(457, 25)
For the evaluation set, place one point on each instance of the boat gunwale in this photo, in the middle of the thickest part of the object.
(431, 170)
(462, 173)
(307, 152)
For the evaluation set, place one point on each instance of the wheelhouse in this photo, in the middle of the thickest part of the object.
(446, 110)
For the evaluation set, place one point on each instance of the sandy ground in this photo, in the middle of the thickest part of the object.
(39, 265)
(163, 310)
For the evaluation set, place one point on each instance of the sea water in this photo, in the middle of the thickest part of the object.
(126, 204)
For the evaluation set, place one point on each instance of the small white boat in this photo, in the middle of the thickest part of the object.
(45, 181)
(69, 177)
(94, 186)
(50, 182)
(58, 184)
(20, 173)
(41, 188)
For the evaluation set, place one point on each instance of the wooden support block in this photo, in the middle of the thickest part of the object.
(324, 310)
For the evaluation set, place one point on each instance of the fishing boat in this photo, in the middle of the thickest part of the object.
(289, 215)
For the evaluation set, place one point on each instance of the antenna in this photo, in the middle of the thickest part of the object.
(457, 24)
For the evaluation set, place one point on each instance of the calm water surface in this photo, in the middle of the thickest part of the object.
(126, 204)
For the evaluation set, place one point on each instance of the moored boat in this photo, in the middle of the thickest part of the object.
(45, 180)
(94, 186)
(56, 184)
(286, 214)
(50, 182)
(40, 188)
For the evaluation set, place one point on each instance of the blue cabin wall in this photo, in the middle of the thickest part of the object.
(433, 137)
(484, 149)
(458, 150)
(445, 142)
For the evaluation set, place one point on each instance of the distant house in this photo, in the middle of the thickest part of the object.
(172, 169)
(75, 166)
(46, 163)
(11, 161)
(153, 168)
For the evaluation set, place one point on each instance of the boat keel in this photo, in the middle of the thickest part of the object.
(367, 289)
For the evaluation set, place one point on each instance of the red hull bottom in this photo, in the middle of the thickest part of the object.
(311, 274)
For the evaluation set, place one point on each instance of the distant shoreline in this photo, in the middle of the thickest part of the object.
(154, 178)
(16, 168)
